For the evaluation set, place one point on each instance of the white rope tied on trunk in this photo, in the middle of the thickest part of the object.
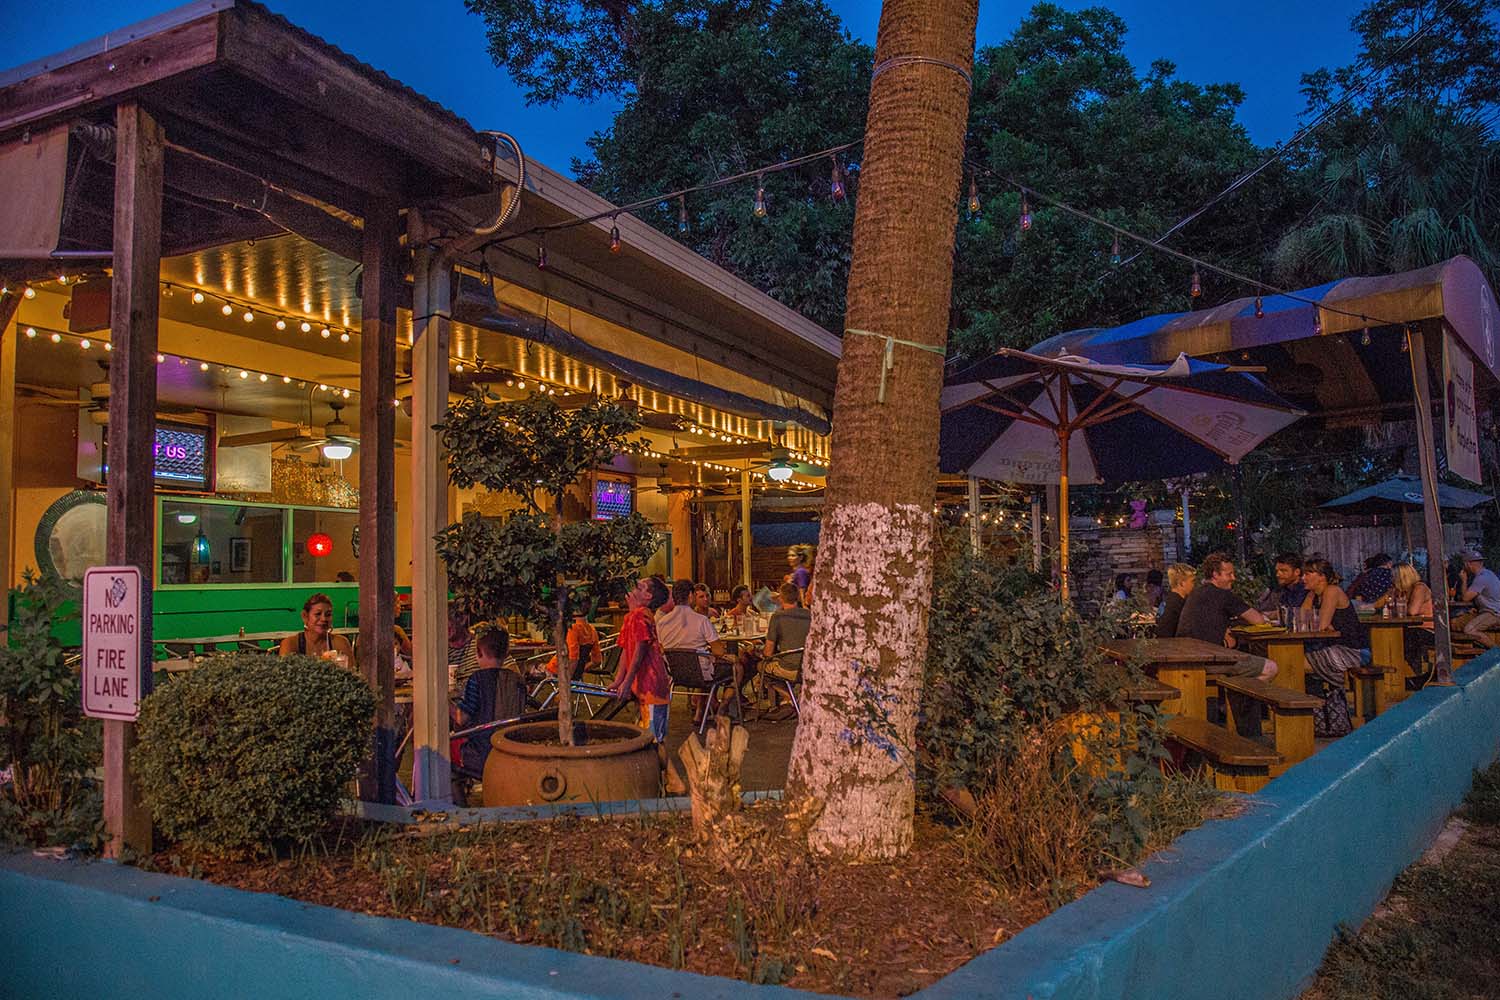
(896, 61)
(890, 352)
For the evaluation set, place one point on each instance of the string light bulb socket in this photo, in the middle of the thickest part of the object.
(760, 196)
(1114, 251)
(836, 182)
(682, 217)
(1025, 213)
(1195, 289)
(541, 256)
(973, 198)
(1260, 308)
(614, 237)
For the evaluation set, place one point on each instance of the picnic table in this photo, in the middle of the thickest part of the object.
(1286, 649)
(1178, 663)
(1388, 649)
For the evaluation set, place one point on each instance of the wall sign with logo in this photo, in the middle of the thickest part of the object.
(112, 642)
(1460, 425)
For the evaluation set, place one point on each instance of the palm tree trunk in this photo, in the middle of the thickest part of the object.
(852, 770)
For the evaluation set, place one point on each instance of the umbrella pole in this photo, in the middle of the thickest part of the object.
(974, 537)
(1062, 511)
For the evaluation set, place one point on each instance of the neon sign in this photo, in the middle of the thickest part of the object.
(182, 455)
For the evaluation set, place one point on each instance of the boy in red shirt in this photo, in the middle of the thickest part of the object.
(643, 668)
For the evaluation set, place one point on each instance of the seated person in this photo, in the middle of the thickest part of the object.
(463, 658)
(583, 644)
(1481, 587)
(740, 597)
(491, 692)
(1209, 611)
(1289, 592)
(682, 628)
(1181, 579)
(1374, 585)
(316, 637)
(1418, 597)
(786, 634)
(1124, 587)
(1330, 660)
(1154, 590)
(703, 600)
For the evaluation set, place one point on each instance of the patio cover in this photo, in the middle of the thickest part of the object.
(1311, 368)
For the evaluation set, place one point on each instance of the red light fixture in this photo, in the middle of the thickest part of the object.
(319, 545)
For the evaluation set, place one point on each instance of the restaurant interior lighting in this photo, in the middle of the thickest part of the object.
(337, 451)
(780, 471)
(183, 517)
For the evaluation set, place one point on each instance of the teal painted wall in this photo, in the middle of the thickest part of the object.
(1241, 909)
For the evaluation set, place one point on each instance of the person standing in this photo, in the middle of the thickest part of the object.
(1209, 611)
(799, 574)
(642, 673)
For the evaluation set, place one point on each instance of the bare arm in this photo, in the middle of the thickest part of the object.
(625, 676)
(1330, 605)
(1253, 617)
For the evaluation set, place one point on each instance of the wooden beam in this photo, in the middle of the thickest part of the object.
(724, 452)
(131, 535)
(1432, 521)
(431, 300)
(377, 490)
(298, 65)
(95, 80)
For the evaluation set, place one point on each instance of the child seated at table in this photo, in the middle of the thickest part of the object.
(492, 692)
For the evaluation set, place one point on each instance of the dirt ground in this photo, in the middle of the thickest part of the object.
(641, 889)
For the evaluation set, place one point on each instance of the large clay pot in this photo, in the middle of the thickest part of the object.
(611, 761)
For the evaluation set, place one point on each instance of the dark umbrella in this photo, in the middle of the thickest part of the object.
(1400, 494)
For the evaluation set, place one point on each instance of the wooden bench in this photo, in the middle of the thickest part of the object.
(1291, 716)
(1371, 691)
(1089, 727)
(1237, 764)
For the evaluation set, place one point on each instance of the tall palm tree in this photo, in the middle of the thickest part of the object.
(852, 772)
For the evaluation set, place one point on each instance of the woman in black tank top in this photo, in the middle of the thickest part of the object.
(1329, 660)
(316, 637)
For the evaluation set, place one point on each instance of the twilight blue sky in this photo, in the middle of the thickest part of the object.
(1264, 46)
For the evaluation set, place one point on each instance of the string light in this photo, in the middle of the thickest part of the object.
(973, 197)
(1114, 251)
(85, 343)
(249, 316)
(614, 238)
(760, 197)
(541, 255)
(264, 377)
(227, 309)
(281, 324)
(1364, 337)
(1196, 288)
(1025, 213)
(31, 332)
(325, 333)
(244, 374)
(1260, 308)
(306, 327)
(203, 366)
(30, 292)
(197, 298)
(1317, 323)
(56, 337)
(682, 218)
(344, 337)
(836, 181)
(161, 358)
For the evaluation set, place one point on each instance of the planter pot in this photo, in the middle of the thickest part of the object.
(1163, 517)
(612, 761)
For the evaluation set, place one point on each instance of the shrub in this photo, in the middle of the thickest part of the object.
(46, 744)
(251, 751)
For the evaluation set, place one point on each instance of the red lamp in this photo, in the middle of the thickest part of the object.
(319, 545)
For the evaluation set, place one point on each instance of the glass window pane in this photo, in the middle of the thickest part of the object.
(214, 543)
(339, 563)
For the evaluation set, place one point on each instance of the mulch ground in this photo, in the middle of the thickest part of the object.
(641, 889)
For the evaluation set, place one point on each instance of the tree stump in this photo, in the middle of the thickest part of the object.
(713, 775)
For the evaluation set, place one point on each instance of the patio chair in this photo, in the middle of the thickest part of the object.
(785, 667)
(686, 670)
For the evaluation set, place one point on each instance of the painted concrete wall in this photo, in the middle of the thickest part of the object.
(1245, 909)
(1238, 910)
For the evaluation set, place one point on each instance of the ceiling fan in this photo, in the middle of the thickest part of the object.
(95, 399)
(775, 461)
(336, 440)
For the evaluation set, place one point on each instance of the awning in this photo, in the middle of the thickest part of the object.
(1454, 291)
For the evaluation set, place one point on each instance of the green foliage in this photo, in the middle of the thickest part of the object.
(45, 741)
(534, 448)
(1005, 660)
(249, 752)
(560, 48)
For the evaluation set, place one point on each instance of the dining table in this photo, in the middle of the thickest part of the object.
(1178, 662)
(1285, 648)
(1388, 649)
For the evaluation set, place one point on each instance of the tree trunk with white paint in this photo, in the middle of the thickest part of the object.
(852, 776)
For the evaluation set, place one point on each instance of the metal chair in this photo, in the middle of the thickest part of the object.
(685, 668)
(787, 662)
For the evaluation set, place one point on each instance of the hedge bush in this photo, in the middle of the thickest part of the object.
(249, 751)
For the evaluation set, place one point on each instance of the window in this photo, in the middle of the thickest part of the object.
(341, 564)
(221, 543)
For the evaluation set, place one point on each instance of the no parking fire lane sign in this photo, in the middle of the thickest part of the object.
(112, 642)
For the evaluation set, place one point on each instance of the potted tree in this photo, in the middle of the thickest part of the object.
(531, 563)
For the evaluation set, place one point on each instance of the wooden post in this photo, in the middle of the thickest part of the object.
(377, 491)
(8, 329)
(1062, 510)
(1036, 533)
(432, 780)
(974, 535)
(745, 573)
(1432, 521)
(131, 457)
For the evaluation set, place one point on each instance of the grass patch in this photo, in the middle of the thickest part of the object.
(1434, 939)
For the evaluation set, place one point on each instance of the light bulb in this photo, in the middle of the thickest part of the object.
(249, 316)
(62, 279)
(31, 332)
(109, 346)
(281, 324)
(325, 333)
(1114, 251)
(1260, 308)
(614, 239)
(1317, 322)
(1364, 337)
(227, 309)
(836, 181)
(973, 197)
(264, 377)
(1025, 214)
(337, 451)
(244, 374)
(203, 366)
(306, 327)
(520, 383)
(85, 343)
(760, 199)
(682, 219)
(541, 256)
(30, 292)
(160, 358)
(286, 380)
(346, 393)
(344, 337)
(459, 368)
(1196, 288)
(322, 387)
(197, 298)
